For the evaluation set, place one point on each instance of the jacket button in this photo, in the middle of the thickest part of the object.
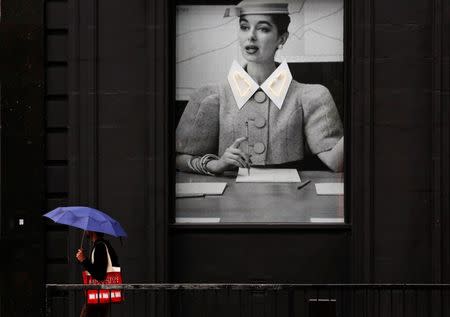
(260, 122)
(259, 148)
(260, 96)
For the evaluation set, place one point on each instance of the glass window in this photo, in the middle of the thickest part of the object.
(259, 112)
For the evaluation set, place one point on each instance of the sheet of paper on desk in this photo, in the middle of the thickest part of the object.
(330, 188)
(195, 189)
(197, 220)
(268, 175)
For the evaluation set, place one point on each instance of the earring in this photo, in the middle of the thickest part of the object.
(280, 46)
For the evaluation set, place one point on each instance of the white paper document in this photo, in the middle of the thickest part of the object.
(326, 220)
(197, 220)
(268, 175)
(199, 189)
(330, 188)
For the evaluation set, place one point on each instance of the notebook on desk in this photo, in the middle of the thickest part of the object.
(268, 175)
(199, 189)
(330, 188)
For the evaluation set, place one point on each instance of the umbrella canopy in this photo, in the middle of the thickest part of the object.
(86, 218)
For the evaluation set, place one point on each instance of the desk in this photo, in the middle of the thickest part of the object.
(262, 202)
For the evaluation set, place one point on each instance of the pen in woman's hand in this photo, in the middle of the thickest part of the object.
(303, 184)
(248, 154)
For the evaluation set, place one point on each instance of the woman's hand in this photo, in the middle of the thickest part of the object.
(80, 255)
(232, 158)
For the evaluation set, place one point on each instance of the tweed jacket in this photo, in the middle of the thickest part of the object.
(308, 122)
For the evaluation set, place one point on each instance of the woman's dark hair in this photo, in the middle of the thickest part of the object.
(282, 22)
(100, 234)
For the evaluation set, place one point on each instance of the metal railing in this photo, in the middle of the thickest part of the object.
(261, 300)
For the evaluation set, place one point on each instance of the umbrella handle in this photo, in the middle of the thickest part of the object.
(82, 239)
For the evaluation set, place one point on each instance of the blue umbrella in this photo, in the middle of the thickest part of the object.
(86, 218)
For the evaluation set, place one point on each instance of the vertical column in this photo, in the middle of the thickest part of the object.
(22, 185)
(361, 142)
(436, 140)
(83, 112)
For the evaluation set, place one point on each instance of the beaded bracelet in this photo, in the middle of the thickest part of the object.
(198, 164)
(205, 160)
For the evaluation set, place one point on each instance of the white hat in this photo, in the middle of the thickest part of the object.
(258, 7)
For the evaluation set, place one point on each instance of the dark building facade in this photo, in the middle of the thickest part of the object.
(69, 67)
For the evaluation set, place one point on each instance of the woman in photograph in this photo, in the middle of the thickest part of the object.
(260, 116)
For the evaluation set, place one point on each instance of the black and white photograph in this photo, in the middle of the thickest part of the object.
(260, 112)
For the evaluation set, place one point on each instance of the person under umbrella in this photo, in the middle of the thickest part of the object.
(96, 265)
(102, 264)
